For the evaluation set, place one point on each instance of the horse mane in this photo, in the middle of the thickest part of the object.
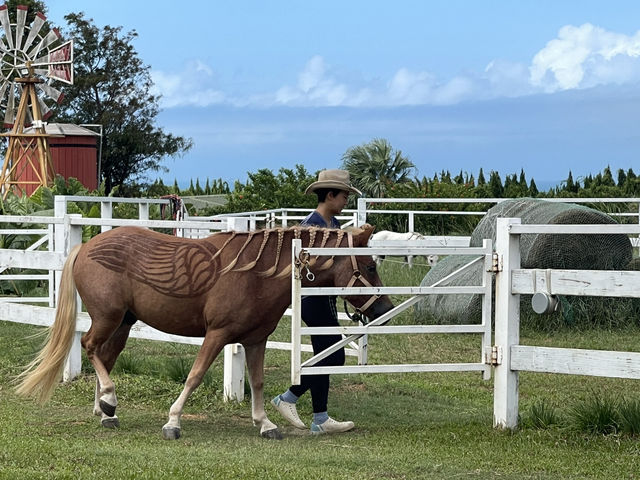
(278, 235)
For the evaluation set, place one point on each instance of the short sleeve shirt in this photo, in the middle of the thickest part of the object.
(315, 219)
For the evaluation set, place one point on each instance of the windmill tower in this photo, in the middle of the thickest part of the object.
(29, 61)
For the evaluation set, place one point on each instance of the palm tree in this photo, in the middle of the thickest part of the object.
(375, 167)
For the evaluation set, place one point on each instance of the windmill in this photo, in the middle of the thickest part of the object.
(30, 60)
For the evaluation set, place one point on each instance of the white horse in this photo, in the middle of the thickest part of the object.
(395, 236)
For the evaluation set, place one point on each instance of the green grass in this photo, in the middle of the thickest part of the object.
(432, 426)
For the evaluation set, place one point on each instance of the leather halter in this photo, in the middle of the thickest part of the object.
(358, 276)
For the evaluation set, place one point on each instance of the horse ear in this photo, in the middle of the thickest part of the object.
(363, 236)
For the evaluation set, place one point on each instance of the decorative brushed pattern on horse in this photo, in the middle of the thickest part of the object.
(178, 269)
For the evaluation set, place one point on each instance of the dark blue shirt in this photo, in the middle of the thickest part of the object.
(315, 219)
(329, 303)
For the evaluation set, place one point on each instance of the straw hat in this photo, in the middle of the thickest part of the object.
(333, 179)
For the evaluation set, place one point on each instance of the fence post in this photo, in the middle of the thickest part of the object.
(234, 360)
(234, 357)
(411, 227)
(362, 212)
(296, 314)
(505, 401)
(106, 211)
(143, 211)
(73, 363)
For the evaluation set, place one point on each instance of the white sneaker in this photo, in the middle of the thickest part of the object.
(288, 411)
(330, 426)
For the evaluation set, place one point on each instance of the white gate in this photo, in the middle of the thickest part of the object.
(379, 326)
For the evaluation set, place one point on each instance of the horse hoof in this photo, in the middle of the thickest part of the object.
(110, 422)
(273, 434)
(108, 410)
(170, 433)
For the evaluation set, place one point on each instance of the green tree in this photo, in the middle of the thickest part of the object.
(112, 88)
(266, 190)
(481, 180)
(375, 167)
(570, 185)
(198, 190)
(495, 184)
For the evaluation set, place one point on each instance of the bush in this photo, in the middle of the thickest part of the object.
(595, 414)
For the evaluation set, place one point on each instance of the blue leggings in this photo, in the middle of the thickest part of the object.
(319, 312)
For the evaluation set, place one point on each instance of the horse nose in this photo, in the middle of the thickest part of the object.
(380, 307)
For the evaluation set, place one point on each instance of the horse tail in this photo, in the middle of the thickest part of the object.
(41, 375)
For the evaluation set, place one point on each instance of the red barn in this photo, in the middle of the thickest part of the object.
(74, 152)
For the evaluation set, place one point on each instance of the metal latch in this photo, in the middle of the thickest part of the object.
(493, 355)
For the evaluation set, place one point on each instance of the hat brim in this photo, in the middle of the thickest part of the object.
(331, 184)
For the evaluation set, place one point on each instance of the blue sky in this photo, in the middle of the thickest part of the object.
(544, 86)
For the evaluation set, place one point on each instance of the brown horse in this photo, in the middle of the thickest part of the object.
(231, 287)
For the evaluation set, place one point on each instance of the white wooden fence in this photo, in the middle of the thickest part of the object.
(512, 281)
(63, 231)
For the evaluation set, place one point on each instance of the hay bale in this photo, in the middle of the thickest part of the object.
(588, 252)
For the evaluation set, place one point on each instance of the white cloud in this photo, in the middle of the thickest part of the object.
(315, 87)
(580, 57)
(586, 56)
(190, 87)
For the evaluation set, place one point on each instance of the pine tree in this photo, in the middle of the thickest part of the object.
(198, 190)
(495, 184)
(481, 180)
(570, 186)
(523, 180)
(176, 188)
(533, 189)
(607, 178)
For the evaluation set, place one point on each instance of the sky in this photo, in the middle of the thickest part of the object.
(544, 86)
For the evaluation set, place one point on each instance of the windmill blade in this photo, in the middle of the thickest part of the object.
(6, 25)
(28, 119)
(22, 17)
(51, 37)
(36, 26)
(10, 112)
(45, 111)
(3, 91)
(53, 93)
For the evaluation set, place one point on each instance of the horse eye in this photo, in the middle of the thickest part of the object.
(371, 268)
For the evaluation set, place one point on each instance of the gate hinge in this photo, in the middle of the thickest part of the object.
(496, 263)
(493, 355)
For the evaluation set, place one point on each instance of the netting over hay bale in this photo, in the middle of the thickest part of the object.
(589, 252)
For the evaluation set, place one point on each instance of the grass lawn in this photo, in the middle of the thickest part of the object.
(433, 425)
